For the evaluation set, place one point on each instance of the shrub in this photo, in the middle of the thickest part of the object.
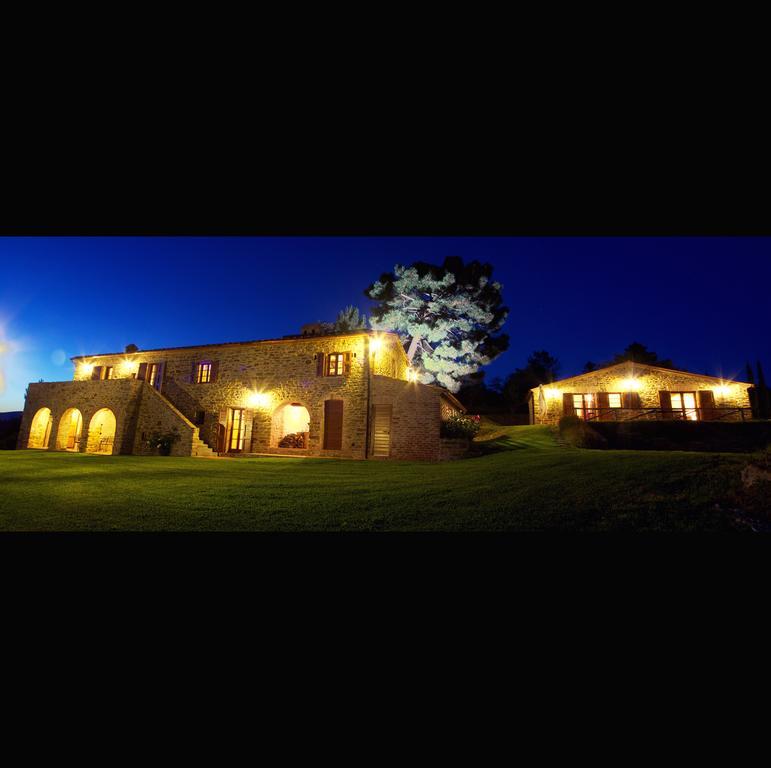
(460, 425)
(162, 441)
(577, 432)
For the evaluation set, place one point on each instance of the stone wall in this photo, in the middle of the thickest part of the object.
(454, 448)
(415, 419)
(651, 381)
(279, 372)
(137, 409)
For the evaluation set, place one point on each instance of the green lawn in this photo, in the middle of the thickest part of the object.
(524, 482)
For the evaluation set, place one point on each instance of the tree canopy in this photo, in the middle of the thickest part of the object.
(349, 319)
(448, 317)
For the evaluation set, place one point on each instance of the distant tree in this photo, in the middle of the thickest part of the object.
(131, 348)
(541, 368)
(480, 398)
(639, 353)
(448, 317)
(750, 375)
(763, 394)
(752, 393)
(589, 366)
(349, 319)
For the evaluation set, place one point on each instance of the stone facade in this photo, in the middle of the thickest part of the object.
(647, 382)
(256, 380)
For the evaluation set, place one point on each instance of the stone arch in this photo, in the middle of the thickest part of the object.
(70, 430)
(40, 429)
(101, 432)
(290, 418)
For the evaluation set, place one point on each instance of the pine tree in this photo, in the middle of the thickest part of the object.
(446, 316)
(750, 375)
(752, 393)
(348, 319)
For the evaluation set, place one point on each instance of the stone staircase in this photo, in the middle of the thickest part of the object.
(201, 449)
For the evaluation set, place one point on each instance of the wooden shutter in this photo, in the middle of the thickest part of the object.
(248, 418)
(347, 364)
(215, 369)
(160, 378)
(142, 373)
(381, 426)
(333, 425)
(631, 400)
(567, 404)
(319, 363)
(97, 372)
(706, 404)
(194, 372)
(603, 403)
(666, 404)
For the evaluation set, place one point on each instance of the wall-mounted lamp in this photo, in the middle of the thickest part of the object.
(412, 374)
(630, 385)
(552, 394)
(86, 368)
(375, 344)
(258, 400)
(722, 390)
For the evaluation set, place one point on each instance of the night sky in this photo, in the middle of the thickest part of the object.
(703, 302)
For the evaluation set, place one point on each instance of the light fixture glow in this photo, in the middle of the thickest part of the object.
(552, 394)
(630, 385)
(258, 400)
(722, 390)
(86, 368)
(412, 374)
(375, 344)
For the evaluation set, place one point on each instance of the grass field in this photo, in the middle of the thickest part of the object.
(524, 482)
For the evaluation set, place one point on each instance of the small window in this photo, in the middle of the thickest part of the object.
(335, 363)
(614, 399)
(108, 372)
(203, 373)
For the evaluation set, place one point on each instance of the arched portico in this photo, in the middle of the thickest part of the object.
(40, 429)
(101, 432)
(290, 426)
(70, 429)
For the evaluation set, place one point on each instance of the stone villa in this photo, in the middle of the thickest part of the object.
(629, 391)
(346, 395)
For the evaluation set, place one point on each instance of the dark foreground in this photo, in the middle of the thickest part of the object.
(525, 482)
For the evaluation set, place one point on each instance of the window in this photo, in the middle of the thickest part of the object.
(335, 363)
(203, 373)
(614, 400)
(684, 405)
(235, 429)
(583, 406)
(152, 373)
(108, 372)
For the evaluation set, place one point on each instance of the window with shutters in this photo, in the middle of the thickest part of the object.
(335, 364)
(152, 373)
(614, 400)
(203, 372)
(584, 406)
(108, 372)
(684, 405)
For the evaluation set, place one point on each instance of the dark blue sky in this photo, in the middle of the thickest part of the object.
(701, 301)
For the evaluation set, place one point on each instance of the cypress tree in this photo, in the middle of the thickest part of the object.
(763, 394)
(752, 392)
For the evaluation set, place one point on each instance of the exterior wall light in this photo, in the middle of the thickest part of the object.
(552, 394)
(258, 400)
(412, 374)
(630, 385)
(375, 344)
(722, 390)
(86, 368)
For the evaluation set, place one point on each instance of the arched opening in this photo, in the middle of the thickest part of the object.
(101, 432)
(40, 430)
(70, 429)
(290, 426)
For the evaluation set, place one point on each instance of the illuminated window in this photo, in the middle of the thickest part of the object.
(203, 373)
(583, 406)
(108, 372)
(152, 373)
(235, 429)
(684, 405)
(335, 363)
(614, 399)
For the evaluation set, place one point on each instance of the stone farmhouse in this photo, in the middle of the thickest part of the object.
(629, 391)
(348, 395)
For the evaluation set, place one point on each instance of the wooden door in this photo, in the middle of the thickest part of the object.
(333, 425)
(235, 441)
(381, 430)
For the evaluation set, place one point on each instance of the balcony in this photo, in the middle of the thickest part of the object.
(659, 414)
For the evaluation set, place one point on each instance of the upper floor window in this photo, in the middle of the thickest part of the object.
(152, 373)
(108, 372)
(614, 399)
(335, 364)
(203, 373)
